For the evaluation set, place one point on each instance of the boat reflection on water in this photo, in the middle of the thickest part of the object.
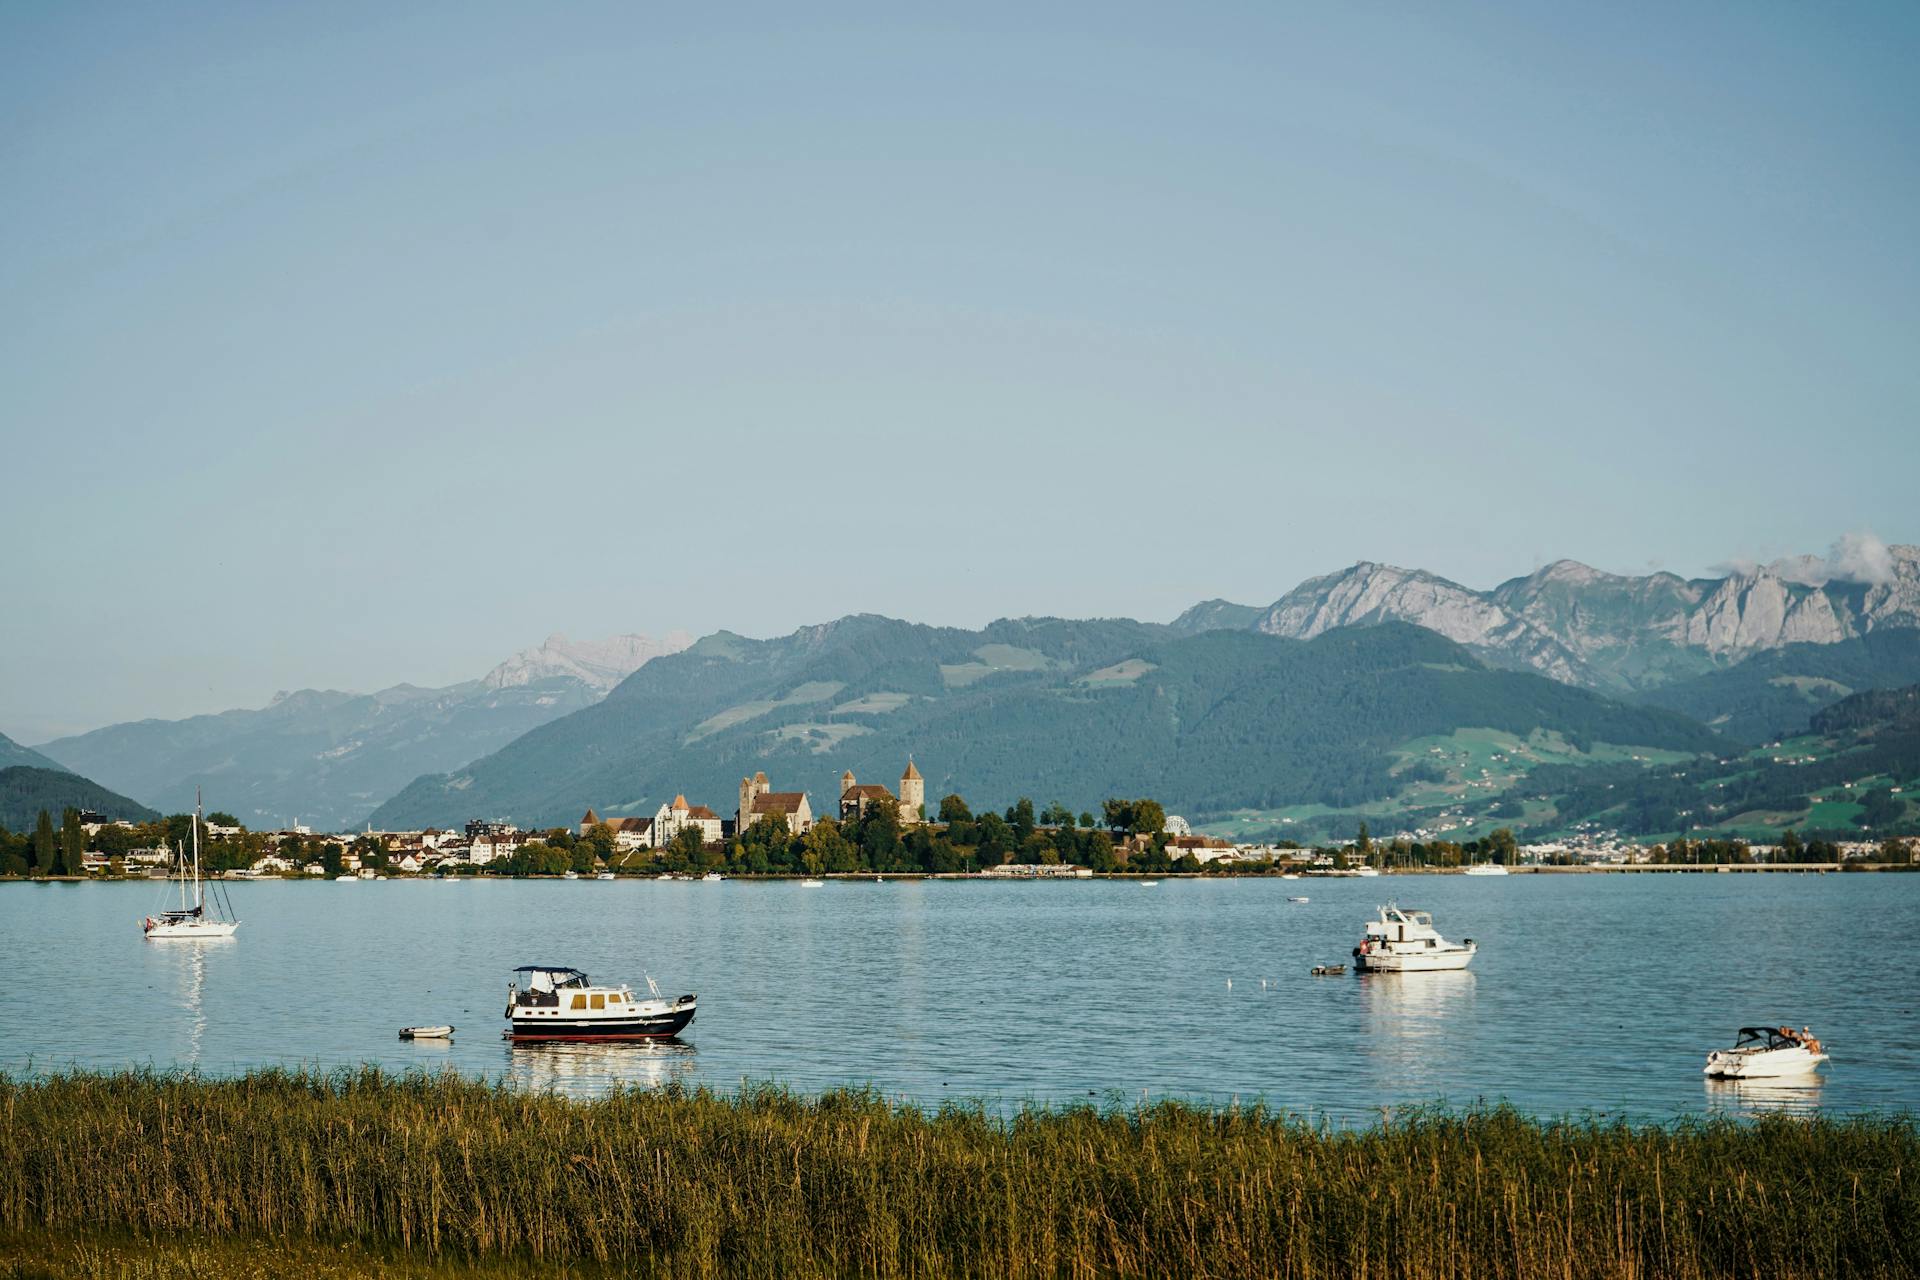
(1417, 1026)
(1790, 1095)
(586, 1068)
(186, 958)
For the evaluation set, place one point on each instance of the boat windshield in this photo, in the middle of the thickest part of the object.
(1767, 1037)
(550, 977)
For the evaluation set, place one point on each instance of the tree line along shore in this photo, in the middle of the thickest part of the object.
(441, 1169)
(1128, 836)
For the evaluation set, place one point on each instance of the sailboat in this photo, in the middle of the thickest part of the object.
(191, 919)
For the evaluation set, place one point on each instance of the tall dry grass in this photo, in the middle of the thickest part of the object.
(769, 1183)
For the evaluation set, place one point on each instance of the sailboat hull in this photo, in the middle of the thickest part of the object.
(192, 928)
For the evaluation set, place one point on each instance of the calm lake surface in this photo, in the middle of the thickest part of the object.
(1590, 993)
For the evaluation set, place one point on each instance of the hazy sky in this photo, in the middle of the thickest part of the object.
(347, 345)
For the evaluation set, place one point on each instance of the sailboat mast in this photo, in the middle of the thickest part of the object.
(199, 894)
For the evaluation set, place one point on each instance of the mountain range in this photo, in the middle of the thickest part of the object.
(327, 758)
(1605, 631)
(1073, 710)
(1062, 710)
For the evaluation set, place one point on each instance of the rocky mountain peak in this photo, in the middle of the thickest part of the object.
(599, 664)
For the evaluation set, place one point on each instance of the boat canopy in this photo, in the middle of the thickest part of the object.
(543, 976)
(1771, 1035)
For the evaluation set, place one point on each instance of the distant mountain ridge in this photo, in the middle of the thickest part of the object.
(327, 757)
(13, 755)
(1055, 709)
(1606, 631)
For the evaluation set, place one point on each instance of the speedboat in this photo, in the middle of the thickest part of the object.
(1766, 1051)
(604, 875)
(712, 877)
(570, 875)
(813, 884)
(1295, 899)
(1485, 869)
(1366, 871)
(1406, 942)
(554, 1002)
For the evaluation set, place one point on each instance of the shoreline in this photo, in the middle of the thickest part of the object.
(856, 877)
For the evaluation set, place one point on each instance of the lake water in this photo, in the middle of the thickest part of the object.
(1590, 993)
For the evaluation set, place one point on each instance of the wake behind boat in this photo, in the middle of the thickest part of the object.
(1406, 942)
(192, 918)
(554, 1002)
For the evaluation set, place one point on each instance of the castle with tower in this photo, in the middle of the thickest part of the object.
(912, 800)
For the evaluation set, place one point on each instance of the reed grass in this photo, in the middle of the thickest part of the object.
(693, 1183)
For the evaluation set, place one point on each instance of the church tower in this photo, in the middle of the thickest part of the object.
(913, 794)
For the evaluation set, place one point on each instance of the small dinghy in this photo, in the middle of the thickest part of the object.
(1327, 970)
(1295, 899)
(426, 1033)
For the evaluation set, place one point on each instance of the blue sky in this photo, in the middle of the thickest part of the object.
(358, 344)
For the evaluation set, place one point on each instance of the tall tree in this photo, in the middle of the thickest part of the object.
(73, 844)
(43, 851)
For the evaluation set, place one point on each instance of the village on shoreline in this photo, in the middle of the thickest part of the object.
(871, 831)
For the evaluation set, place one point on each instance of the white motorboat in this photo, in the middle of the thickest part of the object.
(1766, 1051)
(570, 875)
(1366, 871)
(192, 918)
(813, 884)
(1403, 941)
(1485, 869)
(712, 877)
(1292, 898)
(1148, 884)
(348, 878)
(442, 1032)
(555, 1002)
(604, 875)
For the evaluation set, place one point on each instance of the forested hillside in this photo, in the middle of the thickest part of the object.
(25, 791)
(1068, 711)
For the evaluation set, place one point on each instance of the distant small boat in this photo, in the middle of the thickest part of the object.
(1296, 899)
(666, 875)
(347, 878)
(426, 1033)
(1366, 871)
(1485, 869)
(712, 877)
(604, 875)
(1327, 970)
(1148, 884)
(1289, 875)
(813, 884)
(571, 875)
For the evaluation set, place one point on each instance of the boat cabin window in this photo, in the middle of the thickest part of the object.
(614, 998)
(579, 1002)
(599, 1001)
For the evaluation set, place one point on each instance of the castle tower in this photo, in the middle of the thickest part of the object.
(913, 794)
(749, 788)
(846, 784)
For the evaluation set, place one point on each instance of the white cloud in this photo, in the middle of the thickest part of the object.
(1854, 557)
